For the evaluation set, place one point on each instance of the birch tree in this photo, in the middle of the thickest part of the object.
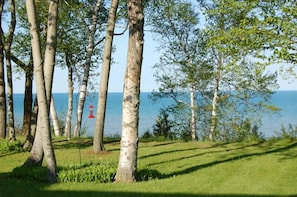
(102, 98)
(8, 43)
(28, 100)
(234, 48)
(67, 130)
(182, 70)
(71, 49)
(55, 118)
(42, 143)
(127, 165)
(84, 83)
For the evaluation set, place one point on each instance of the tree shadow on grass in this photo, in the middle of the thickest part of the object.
(196, 155)
(73, 143)
(78, 143)
(235, 158)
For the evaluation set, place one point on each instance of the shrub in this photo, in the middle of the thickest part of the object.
(15, 146)
(163, 125)
(100, 172)
(147, 135)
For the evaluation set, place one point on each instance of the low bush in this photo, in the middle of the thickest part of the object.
(100, 172)
(6, 146)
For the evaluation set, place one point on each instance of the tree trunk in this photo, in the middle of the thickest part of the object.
(50, 48)
(43, 124)
(84, 84)
(27, 104)
(28, 144)
(193, 118)
(70, 102)
(2, 80)
(36, 154)
(11, 129)
(102, 98)
(127, 165)
(215, 100)
(28, 69)
(55, 119)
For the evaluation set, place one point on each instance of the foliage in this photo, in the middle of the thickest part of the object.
(147, 135)
(208, 57)
(8, 147)
(73, 29)
(240, 131)
(100, 172)
(166, 129)
(90, 172)
(163, 125)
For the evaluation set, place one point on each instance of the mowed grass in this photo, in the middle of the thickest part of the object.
(188, 169)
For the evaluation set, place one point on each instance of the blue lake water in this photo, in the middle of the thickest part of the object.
(287, 100)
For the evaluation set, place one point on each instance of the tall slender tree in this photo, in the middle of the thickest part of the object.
(87, 65)
(102, 98)
(42, 143)
(67, 131)
(2, 79)
(8, 43)
(181, 71)
(127, 165)
(55, 119)
(28, 100)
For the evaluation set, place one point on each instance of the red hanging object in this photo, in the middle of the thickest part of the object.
(91, 115)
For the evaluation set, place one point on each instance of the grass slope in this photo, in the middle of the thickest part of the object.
(188, 169)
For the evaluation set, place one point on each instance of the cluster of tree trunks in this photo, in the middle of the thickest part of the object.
(36, 120)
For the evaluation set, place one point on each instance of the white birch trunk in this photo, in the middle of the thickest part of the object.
(70, 104)
(193, 118)
(127, 165)
(55, 119)
(50, 48)
(36, 153)
(102, 98)
(215, 100)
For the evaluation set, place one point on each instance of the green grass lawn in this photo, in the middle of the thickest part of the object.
(187, 168)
